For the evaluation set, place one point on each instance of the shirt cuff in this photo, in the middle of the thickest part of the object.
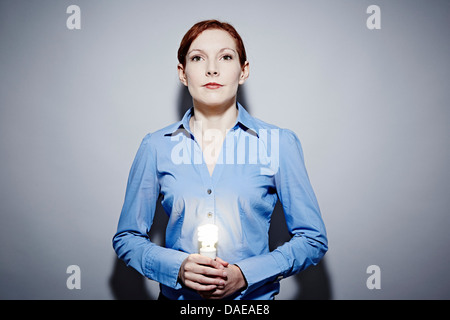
(164, 265)
(259, 270)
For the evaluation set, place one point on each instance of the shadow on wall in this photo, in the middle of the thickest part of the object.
(126, 283)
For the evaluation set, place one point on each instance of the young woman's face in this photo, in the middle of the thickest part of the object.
(213, 71)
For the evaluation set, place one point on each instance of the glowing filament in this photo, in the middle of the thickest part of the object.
(208, 237)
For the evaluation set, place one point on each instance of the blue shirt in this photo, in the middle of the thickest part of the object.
(259, 163)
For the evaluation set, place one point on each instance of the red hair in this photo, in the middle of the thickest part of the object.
(201, 26)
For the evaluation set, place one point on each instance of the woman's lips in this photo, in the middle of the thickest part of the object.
(213, 85)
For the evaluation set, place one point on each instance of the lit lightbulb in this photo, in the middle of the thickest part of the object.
(208, 236)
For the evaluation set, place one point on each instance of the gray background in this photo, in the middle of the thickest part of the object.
(370, 107)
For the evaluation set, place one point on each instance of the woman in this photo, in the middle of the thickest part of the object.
(220, 166)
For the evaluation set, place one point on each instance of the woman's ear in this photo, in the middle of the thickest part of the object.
(245, 72)
(182, 74)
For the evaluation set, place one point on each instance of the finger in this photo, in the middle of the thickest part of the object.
(212, 272)
(222, 262)
(204, 280)
(199, 259)
(213, 263)
(199, 287)
(204, 270)
(218, 263)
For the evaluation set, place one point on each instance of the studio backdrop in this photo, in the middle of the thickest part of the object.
(364, 85)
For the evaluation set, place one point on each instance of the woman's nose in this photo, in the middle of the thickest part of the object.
(212, 69)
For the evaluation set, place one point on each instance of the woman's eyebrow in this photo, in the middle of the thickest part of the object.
(192, 50)
(203, 51)
(227, 49)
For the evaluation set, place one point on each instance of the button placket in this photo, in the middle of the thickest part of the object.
(210, 201)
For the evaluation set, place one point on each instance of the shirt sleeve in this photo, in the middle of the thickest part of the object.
(309, 241)
(131, 241)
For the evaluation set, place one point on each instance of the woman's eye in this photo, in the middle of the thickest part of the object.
(227, 57)
(196, 58)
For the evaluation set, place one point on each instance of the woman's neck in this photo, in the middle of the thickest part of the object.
(220, 118)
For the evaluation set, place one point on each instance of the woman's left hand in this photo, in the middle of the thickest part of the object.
(234, 282)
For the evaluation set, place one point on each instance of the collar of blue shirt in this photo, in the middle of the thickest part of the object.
(244, 120)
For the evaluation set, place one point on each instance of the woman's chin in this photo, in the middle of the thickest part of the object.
(215, 103)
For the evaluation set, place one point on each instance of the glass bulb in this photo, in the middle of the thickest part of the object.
(208, 235)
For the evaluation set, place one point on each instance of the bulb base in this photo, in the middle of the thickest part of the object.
(208, 252)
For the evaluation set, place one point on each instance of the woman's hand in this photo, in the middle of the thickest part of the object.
(234, 281)
(203, 274)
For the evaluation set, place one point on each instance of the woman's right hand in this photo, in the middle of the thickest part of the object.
(201, 273)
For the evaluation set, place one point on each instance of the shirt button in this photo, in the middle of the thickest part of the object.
(209, 191)
(210, 214)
